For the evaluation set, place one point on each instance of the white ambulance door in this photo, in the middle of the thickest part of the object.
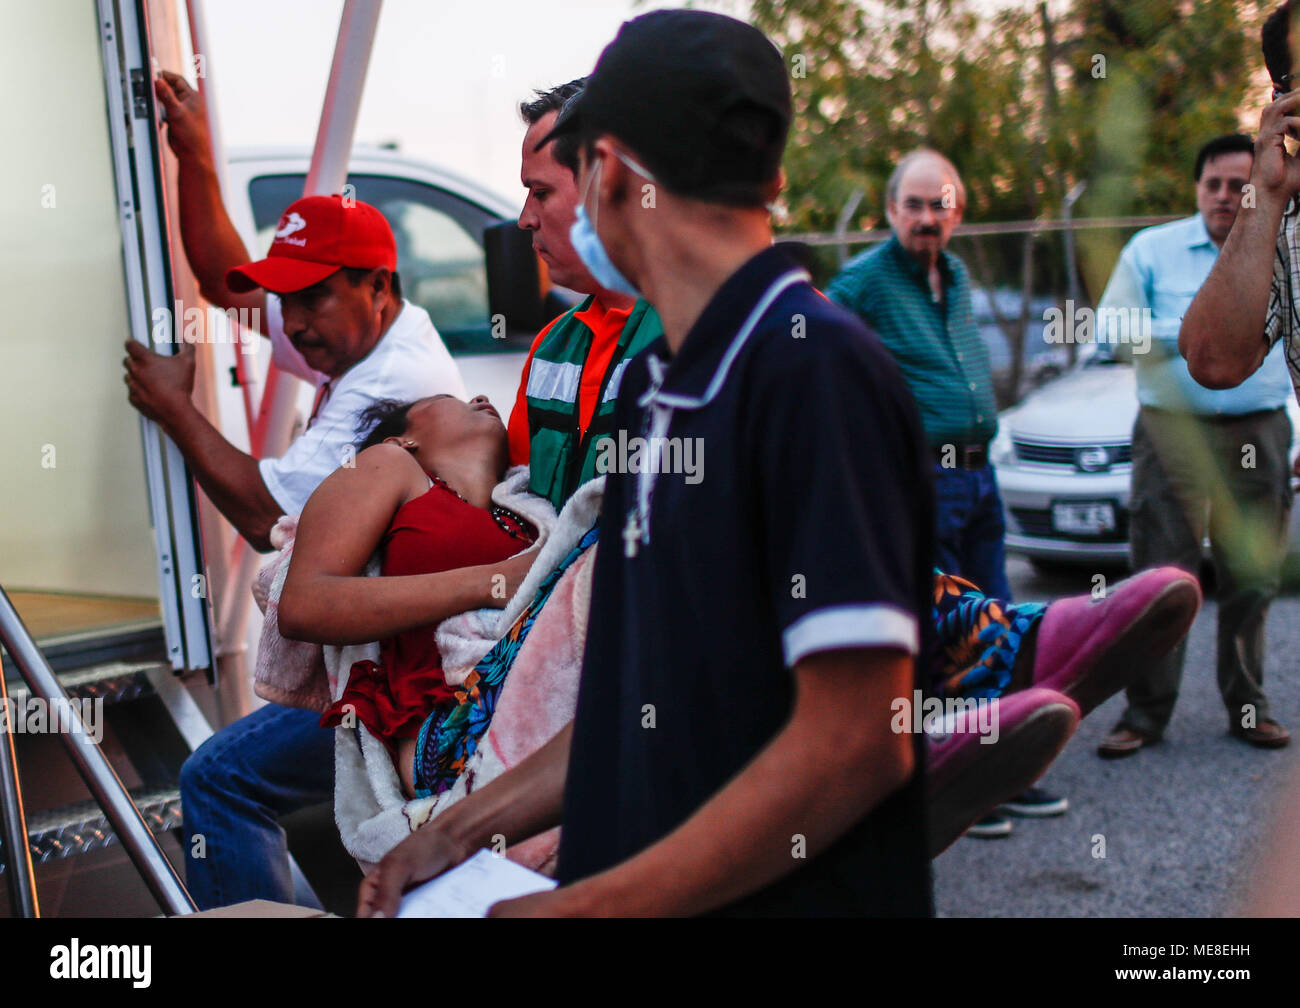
(141, 205)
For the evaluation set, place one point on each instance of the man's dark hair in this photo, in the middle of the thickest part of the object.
(357, 274)
(564, 148)
(382, 419)
(1231, 143)
(1275, 40)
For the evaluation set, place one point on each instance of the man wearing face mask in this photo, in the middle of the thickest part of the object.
(747, 633)
(725, 570)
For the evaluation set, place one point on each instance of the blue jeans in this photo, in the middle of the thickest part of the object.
(234, 788)
(971, 528)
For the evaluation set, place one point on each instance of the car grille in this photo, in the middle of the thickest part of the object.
(1063, 455)
(1037, 523)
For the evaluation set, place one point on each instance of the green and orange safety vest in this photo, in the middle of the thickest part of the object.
(570, 386)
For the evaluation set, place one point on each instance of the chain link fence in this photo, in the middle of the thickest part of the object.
(1018, 270)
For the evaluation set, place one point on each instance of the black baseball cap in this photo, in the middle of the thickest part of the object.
(701, 98)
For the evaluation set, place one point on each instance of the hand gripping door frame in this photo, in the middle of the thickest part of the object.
(133, 134)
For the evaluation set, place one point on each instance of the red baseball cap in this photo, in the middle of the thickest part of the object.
(317, 236)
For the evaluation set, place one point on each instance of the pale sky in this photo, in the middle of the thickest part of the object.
(445, 79)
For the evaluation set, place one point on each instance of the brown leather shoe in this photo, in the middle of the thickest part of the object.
(1122, 742)
(1268, 734)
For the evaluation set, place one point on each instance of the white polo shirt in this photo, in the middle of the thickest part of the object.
(409, 362)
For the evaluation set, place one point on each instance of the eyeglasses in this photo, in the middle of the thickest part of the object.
(1233, 186)
(914, 205)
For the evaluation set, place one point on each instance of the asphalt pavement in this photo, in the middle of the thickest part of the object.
(1172, 831)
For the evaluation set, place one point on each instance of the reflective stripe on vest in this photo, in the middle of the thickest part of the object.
(558, 461)
(554, 380)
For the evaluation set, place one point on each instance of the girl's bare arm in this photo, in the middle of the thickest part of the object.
(327, 598)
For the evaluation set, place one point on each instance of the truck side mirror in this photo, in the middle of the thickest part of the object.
(513, 278)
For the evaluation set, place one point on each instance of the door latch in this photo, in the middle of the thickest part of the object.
(139, 94)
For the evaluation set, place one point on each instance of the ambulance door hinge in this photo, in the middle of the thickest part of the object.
(139, 94)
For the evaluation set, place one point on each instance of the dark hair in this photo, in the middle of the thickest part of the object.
(1275, 40)
(564, 148)
(382, 419)
(356, 274)
(1231, 143)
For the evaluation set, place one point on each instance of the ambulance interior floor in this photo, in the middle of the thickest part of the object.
(52, 615)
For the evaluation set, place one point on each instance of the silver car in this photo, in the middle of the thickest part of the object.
(1063, 458)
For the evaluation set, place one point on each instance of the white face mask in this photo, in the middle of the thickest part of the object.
(587, 243)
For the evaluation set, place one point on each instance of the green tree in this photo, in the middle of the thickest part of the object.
(873, 81)
(1016, 99)
(1151, 81)
(1026, 101)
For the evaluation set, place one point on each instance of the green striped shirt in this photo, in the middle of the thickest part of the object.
(943, 358)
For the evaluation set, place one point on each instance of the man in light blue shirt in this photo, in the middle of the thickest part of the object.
(1204, 461)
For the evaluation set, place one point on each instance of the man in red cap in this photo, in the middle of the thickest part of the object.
(338, 322)
(331, 299)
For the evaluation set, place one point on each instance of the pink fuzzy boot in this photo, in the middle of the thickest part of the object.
(1089, 649)
(971, 769)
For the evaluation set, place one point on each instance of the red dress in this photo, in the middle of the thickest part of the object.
(437, 531)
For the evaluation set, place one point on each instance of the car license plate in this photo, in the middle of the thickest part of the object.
(1084, 517)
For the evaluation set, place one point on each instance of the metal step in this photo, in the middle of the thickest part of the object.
(105, 670)
(83, 827)
(115, 682)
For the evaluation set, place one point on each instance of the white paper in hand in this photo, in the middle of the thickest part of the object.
(470, 889)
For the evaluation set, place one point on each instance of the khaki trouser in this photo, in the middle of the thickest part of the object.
(1228, 478)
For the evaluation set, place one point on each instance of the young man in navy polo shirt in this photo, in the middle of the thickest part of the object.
(761, 590)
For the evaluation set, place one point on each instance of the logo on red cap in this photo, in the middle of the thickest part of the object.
(290, 223)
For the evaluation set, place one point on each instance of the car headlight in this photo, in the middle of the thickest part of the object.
(1002, 451)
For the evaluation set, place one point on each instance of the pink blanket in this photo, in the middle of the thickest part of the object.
(286, 671)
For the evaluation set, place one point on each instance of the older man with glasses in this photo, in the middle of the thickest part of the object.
(916, 296)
